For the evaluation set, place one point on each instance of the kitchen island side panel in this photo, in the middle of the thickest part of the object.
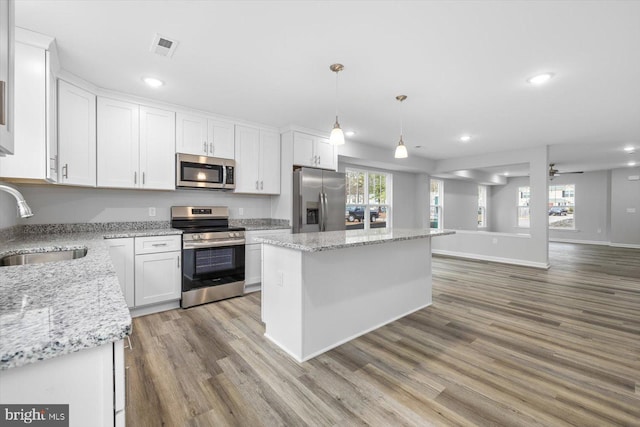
(315, 301)
(352, 291)
(282, 297)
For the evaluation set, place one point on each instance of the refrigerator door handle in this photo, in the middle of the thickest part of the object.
(321, 212)
(325, 201)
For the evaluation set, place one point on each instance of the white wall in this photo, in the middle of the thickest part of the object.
(625, 207)
(591, 209)
(503, 212)
(531, 249)
(54, 204)
(460, 205)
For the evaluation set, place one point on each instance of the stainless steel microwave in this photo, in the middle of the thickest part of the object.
(205, 172)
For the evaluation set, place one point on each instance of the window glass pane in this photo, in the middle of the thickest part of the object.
(367, 206)
(377, 188)
(435, 201)
(562, 206)
(524, 196)
(482, 206)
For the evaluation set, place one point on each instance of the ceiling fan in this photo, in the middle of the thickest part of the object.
(554, 172)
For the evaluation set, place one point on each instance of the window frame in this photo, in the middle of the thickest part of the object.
(563, 196)
(389, 196)
(439, 208)
(527, 206)
(482, 207)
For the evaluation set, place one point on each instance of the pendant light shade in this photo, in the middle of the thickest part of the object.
(401, 149)
(337, 136)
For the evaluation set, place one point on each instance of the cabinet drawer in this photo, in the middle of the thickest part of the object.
(156, 244)
(250, 236)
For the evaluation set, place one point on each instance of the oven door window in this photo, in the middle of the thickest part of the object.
(197, 172)
(214, 260)
(210, 263)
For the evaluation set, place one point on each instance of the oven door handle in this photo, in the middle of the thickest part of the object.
(214, 244)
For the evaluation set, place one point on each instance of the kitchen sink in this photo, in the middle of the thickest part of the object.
(40, 257)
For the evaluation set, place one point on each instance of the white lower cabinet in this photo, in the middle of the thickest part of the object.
(90, 381)
(253, 257)
(148, 269)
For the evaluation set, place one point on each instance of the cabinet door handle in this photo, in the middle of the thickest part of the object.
(319, 161)
(178, 261)
(65, 170)
(143, 178)
(211, 148)
(54, 163)
(262, 185)
(3, 103)
(135, 177)
(204, 147)
(257, 188)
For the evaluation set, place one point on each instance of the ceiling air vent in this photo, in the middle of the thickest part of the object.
(163, 46)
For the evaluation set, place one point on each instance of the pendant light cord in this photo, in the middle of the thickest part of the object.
(337, 72)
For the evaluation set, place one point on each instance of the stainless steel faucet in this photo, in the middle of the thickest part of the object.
(23, 208)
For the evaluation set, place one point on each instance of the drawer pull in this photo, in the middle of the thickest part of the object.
(155, 245)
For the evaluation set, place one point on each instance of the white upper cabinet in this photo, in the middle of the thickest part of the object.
(76, 135)
(118, 132)
(135, 146)
(157, 148)
(257, 161)
(35, 143)
(204, 136)
(314, 151)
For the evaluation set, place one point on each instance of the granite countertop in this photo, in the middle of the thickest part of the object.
(330, 240)
(55, 308)
(257, 224)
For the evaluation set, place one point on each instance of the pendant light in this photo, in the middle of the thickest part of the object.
(337, 136)
(401, 149)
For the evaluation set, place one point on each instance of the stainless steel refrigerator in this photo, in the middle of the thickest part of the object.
(318, 200)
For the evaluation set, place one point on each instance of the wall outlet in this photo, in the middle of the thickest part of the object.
(240, 211)
(152, 211)
(631, 210)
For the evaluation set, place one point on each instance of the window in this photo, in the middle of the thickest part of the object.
(524, 196)
(482, 206)
(435, 202)
(368, 203)
(562, 206)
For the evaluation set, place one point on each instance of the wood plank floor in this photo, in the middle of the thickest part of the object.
(501, 345)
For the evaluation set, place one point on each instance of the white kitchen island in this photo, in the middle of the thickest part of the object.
(320, 290)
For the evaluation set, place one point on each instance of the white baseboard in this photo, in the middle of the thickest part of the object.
(582, 242)
(500, 260)
(624, 245)
(155, 308)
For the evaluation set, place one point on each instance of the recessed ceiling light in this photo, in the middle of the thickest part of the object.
(152, 81)
(349, 133)
(631, 164)
(465, 138)
(629, 149)
(540, 79)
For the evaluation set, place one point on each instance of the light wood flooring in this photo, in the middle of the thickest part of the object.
(501, 345)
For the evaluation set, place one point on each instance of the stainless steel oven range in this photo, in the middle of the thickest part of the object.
(212, 254)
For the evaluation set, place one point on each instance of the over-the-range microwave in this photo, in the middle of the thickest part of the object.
(204, 172)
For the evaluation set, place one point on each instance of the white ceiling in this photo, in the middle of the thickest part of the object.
(463, 65)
